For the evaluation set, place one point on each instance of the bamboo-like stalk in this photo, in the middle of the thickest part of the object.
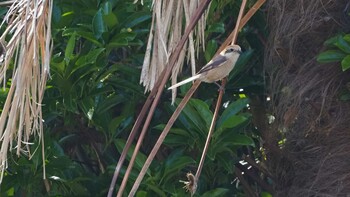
(28, 27)
(154, 96)
(218, 103)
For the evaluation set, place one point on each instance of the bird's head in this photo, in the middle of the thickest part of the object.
(232, 49)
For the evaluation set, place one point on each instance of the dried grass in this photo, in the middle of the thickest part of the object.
(28, 48)
(166, 30)
(314, 161)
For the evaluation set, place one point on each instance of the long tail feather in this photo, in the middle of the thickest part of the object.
(184, 81)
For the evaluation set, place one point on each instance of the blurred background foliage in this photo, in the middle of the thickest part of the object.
(93, 97)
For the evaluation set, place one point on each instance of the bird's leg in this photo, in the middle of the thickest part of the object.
(220, 87)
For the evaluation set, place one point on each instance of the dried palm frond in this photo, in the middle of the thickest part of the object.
(166, 30)
(27, 50)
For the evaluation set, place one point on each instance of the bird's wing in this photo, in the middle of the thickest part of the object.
(217, 61)
(184, 81)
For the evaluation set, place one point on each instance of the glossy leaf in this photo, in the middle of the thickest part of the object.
(98, 25)
(230, 111)
(137, 18)
(68, 54)
(343, 44)
(345, 63)
(330, 56)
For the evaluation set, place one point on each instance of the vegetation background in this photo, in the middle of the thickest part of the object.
(94, 96)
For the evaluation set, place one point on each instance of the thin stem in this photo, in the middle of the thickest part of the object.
(158, 92)
(162, 137)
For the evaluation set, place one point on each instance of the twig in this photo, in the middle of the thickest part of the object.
(240, 14)
(244, 21)
(162, 137)
(158, 92)
(211, 129)
(219, 101)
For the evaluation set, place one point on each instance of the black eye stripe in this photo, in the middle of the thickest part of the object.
(233, 50)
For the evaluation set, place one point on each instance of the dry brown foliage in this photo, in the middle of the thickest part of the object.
(27, 53)
(314, 160)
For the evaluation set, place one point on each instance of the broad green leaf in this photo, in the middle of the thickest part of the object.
(211, 48)
(345, 63)
(176, 162)
(232, 110)
(109, 103)
(343, 44)
(193, 117)
(87, 106)
(331, 41)
(140, 158)
(265, 194)
(109, 17)
(218, 192)
(233, 121)
(347, 38)
(121, 39)
(89, 36)
(141, 194)
(110, 20)
(115, 123)
(137, 18)
(239, 139)
(89, 58)
(203, 110)
(330, 56)
(157, 190)
(68, 54)
(98, 25)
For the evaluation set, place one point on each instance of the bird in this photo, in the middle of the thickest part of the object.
(217, 68)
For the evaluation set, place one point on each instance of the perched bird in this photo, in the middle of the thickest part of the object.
(218, 68)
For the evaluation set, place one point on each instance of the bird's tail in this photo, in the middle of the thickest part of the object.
(184, 81)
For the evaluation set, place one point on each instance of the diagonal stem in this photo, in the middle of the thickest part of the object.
(162, 137)
(158, 92)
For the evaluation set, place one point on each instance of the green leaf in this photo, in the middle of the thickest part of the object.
(141, 194)
(98, 25)
(230, 111)
(137, 18)
(343, 44)
(122, 39)
(218, 192)
(345, 63)
(211, 48)
(140, 158)
(89, 58)
(331, 41)
(239, 139)
(68, 54)
(193, 117)
(216, 28)
(330, 56)
(265, 194)
(347, 38)
(174, 163)
(233, 121)
(109, 103)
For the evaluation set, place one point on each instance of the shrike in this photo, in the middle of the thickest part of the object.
(218, 68)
